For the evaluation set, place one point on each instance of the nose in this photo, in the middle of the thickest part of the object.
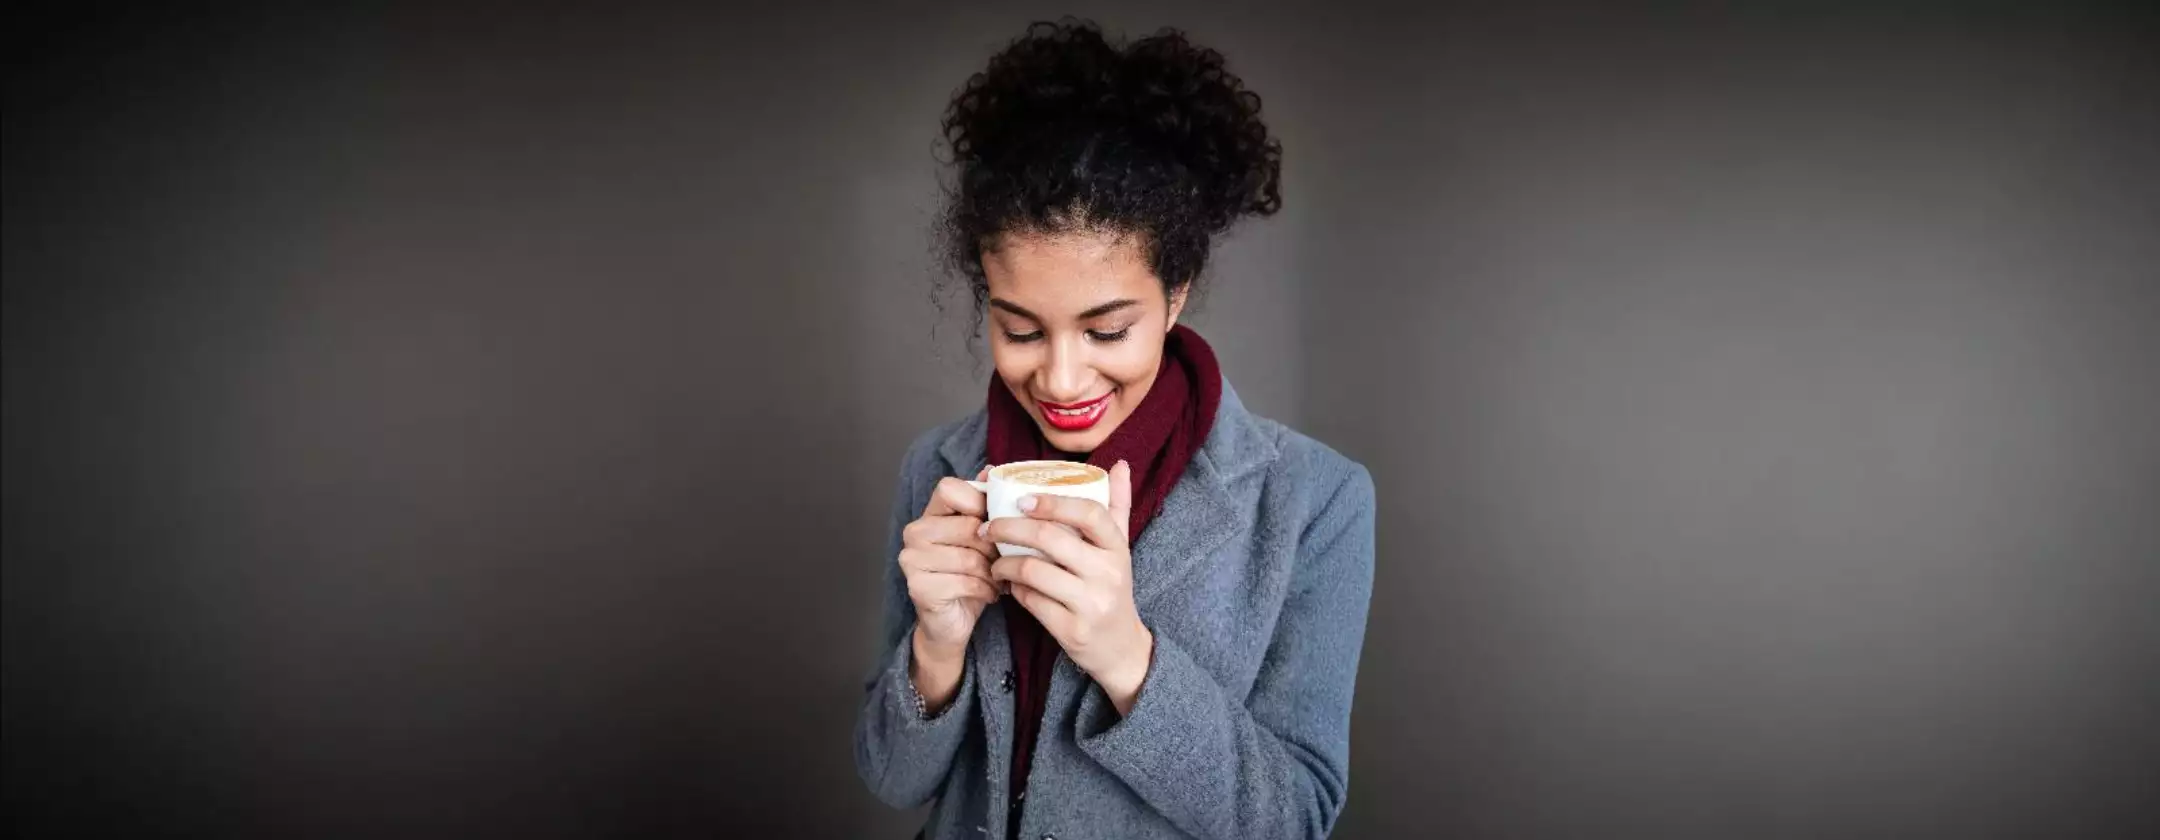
(1067, 375)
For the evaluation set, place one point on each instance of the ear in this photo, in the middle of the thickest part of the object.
(1177, 306)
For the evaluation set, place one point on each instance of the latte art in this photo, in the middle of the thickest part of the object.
(1052, 475)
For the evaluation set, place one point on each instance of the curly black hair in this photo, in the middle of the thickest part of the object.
(1065, 131)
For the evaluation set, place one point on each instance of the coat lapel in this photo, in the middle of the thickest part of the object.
(1209, 505)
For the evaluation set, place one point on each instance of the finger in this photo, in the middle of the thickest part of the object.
(940, 588)
(955, 497)
(1040, 575)
(1121, 497)
(1055, 617)
(1056, 541)
(945, 560)
(1092, 520)
(957, 531)
(983, 474)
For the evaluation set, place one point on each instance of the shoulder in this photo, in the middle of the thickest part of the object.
(931, 455)
(1299, 488)
(1312, 467)
(1294, 480)
(1320, 503)
(1311, 482)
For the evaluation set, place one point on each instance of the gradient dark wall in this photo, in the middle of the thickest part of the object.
(450, 423)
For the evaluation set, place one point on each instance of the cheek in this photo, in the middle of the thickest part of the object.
(1013, 363)
(1130, 365)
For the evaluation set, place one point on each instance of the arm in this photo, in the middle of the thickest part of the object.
(1276, 764)
(902, 755)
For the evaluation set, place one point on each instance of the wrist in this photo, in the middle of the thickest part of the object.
(935, 673)
(1122, 682)
(931, 652)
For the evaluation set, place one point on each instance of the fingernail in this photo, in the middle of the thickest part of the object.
(1026, 504)
(1121, 463)
(982, 530)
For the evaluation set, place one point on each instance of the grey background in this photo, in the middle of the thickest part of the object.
(439, 423)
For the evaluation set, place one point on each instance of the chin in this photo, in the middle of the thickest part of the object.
(1078, 443)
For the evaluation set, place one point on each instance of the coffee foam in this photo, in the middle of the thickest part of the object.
(1051, 475)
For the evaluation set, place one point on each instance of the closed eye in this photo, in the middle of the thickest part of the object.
(1098, 335)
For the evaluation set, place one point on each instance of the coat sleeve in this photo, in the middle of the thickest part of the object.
(1276, 762)
(901, 756)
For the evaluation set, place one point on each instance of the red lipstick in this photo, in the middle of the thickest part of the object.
(1075, 417)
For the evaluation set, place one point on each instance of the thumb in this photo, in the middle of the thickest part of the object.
(1121, 497)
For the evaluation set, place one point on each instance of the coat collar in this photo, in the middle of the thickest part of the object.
(1208, 506)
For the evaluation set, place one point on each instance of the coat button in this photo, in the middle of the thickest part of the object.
(1005, 682)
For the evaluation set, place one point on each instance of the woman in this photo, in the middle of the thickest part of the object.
(1180, 662)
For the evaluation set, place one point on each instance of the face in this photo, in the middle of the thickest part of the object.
(1076, 322)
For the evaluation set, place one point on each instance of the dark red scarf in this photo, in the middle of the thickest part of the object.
(1157, 440)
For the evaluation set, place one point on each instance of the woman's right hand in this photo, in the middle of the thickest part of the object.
(947, 567)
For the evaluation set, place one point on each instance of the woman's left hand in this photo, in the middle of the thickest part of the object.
(1081, 588)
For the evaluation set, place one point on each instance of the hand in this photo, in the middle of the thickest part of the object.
(947, 565)
(1081, 588)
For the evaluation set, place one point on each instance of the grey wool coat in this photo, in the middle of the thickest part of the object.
(1254, 576)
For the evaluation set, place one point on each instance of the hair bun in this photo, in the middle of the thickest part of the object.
(1161, 102)
(1180, 95)
(1064, 129)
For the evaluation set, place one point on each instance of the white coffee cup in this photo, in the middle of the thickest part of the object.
(1009, 482)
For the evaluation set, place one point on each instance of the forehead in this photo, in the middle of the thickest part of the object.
(1069, 272)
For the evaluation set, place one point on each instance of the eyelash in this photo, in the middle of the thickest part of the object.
(1106, 338)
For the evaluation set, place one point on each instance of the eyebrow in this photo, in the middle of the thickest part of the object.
(1095, 311)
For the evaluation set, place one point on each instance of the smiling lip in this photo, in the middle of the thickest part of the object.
(1074, 417)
